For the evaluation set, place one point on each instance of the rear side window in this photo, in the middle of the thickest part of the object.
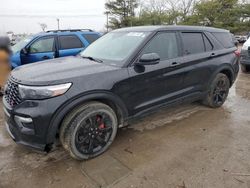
(90, 37)
(224, 38)
(193, 43)
(208, 44)
(164, 44)
(69, 42)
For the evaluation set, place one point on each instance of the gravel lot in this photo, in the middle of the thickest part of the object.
(189, 146)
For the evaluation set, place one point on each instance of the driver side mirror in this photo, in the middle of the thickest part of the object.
(249, 48)
(24, 51)
(149, 59)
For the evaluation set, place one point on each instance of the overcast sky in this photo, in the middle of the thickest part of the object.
(23, 16)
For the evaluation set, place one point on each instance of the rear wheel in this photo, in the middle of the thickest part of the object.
(218, 91)
(89, 130)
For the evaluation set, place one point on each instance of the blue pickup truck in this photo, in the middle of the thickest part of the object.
(51, 44)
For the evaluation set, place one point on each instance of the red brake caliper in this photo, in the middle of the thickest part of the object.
(99, 120)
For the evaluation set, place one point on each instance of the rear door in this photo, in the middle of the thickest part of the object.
(69, 45)
(198, 57)
(41, 49)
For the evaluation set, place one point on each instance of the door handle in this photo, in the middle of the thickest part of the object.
(174, 64)
(45, 57)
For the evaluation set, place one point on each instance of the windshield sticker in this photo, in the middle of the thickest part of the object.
(136, 34)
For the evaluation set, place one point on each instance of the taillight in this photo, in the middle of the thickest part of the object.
(237, 53)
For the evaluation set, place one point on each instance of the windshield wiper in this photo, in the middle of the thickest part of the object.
(92, 59)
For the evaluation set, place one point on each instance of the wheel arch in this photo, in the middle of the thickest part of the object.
(229, 74)
(105, 97)
(225, 69)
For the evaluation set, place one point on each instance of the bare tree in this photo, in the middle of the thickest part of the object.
(165, 10)
(43, 26)
(159, 6)
(184, 7)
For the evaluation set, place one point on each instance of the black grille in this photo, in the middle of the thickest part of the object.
(12, 95)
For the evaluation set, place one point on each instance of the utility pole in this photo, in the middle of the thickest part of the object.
(58, 23)
(107, 25)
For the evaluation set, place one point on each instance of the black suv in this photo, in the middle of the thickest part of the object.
(125, 74)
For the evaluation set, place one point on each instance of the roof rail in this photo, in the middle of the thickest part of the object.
(68, 30)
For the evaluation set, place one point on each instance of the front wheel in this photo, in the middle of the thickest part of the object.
(1, 91)
(89, 130)
(218, 91)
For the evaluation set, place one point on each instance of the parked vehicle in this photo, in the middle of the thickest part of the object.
(123, 75)
(235, 41)
(245, 56)
(52, 44)
(11, 36)
(241, 38)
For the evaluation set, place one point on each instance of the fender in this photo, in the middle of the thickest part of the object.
(80, 99)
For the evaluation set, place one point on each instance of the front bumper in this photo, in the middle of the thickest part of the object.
(21, 134)
(28, 123)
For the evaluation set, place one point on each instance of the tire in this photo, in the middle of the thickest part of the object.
(243, 68)
(88, 130)
(1, 91)
(218, 91)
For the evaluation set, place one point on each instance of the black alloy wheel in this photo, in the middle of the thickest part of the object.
(89, 130)
(218, 91)
(93, 133)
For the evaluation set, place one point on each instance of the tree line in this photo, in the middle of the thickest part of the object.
(233, 15)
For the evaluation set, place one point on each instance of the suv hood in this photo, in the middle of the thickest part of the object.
(57, 71)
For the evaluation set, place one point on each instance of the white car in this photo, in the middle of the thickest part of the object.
(245, 56)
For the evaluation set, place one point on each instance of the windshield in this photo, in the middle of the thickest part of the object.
(21, 44)
(115, 47)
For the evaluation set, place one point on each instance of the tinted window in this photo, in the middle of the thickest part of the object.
(164, 44)
(90, 37)
(208, 44)
(193, 43)
(225, 39)
(69, 42)
(42, 45)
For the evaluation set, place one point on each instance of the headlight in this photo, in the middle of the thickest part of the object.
(42, 92)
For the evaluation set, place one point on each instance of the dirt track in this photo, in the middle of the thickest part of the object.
(189, 146)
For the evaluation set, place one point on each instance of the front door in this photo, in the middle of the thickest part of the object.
(41, 49)
(157, 84)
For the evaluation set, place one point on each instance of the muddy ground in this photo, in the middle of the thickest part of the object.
(189, 146)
